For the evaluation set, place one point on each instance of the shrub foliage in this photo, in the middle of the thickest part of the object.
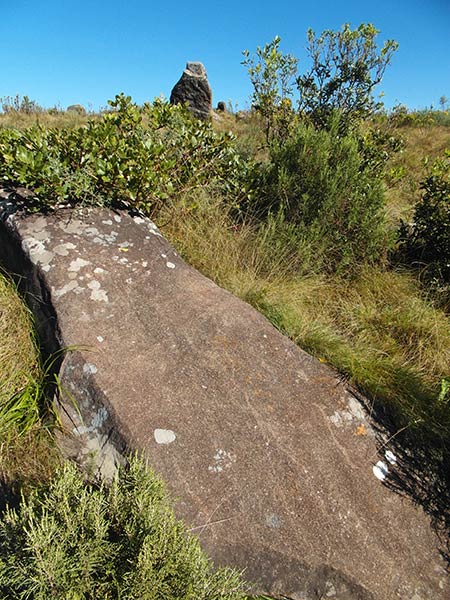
(330, 188)
(426, 242)
(76, 541)
(142, 156)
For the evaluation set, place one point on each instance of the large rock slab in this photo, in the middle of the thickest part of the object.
(270, 457)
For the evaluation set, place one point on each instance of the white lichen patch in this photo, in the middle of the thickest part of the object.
(139, 220)
(71, 285)
(273, 521)
(353, 414)
(37, 251)
(89, 369)
(153, 229)
(390, 457)
(117, 219)
(63, 249)
(164, 436)
(99, 418)
(91, 231)
(99, 295)
(77, 264)
(73, 226)
(100, 339)
(222, 460)
(94, 285)
(380, 470)
(170, 265)
(107, 222)
(99, 270)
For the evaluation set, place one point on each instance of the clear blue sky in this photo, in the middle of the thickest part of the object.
(64, 52)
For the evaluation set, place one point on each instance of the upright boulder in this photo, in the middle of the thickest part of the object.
(194, 90)
(77, 108)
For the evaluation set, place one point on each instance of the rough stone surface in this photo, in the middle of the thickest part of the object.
(270, 457)
(193, 88)
(78, 108)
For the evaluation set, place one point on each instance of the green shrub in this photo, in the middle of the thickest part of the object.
(143, 157)
(426, 242)
(346, 67)
(71, 540)
(330, 187)
(272, 75)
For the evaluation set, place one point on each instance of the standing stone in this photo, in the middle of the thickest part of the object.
(78, 108)
(193, 88)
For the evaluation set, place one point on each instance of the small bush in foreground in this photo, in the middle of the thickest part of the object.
(71, 540)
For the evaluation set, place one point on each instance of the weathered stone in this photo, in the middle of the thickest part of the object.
(78, 108)
(193, 89)
(269, 456)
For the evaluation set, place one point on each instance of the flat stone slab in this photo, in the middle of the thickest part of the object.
(272, 461)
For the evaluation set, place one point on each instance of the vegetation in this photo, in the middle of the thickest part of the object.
(135, 156)
(75, 540)
(331, 217)
(346, 67)
(27, 450)
(426, 242)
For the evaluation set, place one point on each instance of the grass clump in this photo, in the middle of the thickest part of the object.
(27, 449)
(71, 539)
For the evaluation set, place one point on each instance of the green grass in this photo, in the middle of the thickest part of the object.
(27, 448)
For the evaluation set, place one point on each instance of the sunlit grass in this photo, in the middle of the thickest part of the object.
(27, 450)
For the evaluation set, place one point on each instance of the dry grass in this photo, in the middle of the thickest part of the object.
(18, 350)
(408, 168)
(22, 120)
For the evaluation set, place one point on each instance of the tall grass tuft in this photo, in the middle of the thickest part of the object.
(27, 451)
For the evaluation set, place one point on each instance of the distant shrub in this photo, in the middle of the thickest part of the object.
(140, 156)
(346, 67)
(77, 541)
(402, 117)
(20, 104)
(330, 188)
(426, 241)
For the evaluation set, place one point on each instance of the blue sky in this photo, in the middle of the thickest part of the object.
(65, 52)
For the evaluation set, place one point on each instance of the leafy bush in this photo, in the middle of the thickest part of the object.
(427, 240)
(346, 67)
(75, 541)
(272, 75)
(140, 156)
(331, 189)
(20, 104)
